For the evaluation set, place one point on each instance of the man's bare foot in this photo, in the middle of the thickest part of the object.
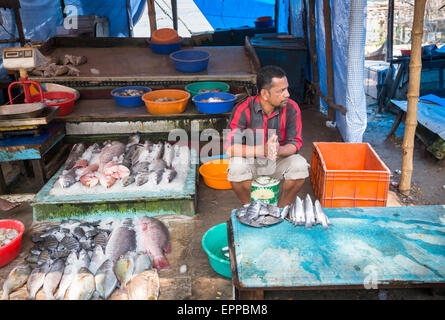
(5, 205)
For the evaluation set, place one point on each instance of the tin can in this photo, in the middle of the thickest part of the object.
(265, 189)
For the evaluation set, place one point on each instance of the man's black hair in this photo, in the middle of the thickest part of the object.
(265, 75)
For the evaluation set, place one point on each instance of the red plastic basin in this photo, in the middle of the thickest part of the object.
(65, 107)
(11, 250)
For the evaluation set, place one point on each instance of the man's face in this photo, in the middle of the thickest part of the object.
(278, 94)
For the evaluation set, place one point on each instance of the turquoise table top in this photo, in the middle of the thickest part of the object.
(364, 246)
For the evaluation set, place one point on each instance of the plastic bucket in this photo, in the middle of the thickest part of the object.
(217, 106)
(265, 189)
(134, 101)
(11, 250)
(65, 107)
(213, 241)
(190, 60)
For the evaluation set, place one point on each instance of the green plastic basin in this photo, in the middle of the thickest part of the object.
(212, 242)
(193, 88)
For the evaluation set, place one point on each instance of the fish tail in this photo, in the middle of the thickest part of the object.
(30, 297)
(160, 262)
(5, 295)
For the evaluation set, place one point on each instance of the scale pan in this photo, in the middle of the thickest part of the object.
(21, 111)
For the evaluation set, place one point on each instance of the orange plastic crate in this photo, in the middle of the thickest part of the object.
(348, 175)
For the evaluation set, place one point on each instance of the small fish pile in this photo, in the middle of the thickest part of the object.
(258, 214)
(80, 260)
(59, 66)
(307, 214)
(130, 93)
(7, 235)
(165, 99)
(213, 99)
(52, 101)
(131, 163)
(209, 90)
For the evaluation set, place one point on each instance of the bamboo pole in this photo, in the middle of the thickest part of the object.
(415, 68)
(151, 15)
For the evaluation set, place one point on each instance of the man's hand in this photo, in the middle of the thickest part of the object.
(271, 148)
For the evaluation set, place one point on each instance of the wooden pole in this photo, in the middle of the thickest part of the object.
(175, 14)
(415, 68)
(329, 57)
(313, 48)
(151, 15)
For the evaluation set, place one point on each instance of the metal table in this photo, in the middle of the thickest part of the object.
(396, 247)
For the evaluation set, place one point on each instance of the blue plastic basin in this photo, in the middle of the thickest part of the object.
(190, 60)
(214, 107)
(129, 101)
(165, 48)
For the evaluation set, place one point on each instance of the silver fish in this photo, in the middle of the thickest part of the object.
(122, 239)
(128, 180)
(82, 286)
(76, 152)
(156, 240)
(84, 259)
(169, 154)
(105, 279)
(141, 167)
(142, 262)
(320, 215)
(309, 212)
(156, 152)
(158, 166)
(299, 212)
(97, 259)
(71, 269)
(171, 174)
(44, 257)
(52, 279)
(16, 278)
(124, 268)
(142, 178)
(36, 279)
(144, 286)
(132, 140)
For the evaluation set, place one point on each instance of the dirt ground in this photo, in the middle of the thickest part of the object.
(200, 281)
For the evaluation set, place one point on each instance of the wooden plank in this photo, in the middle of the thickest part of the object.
(393, 247)
(39, 173)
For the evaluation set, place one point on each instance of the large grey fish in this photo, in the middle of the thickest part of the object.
(97, 259)
(158, 166)
(144, 286)
(124, 268)
(70, 242)
(83, 285)
(36, 279)
(156, 240)
(52, 279)
(16, 278)
(67, 179)
(171, 174)
(111, 150)
(142, 262)
(105, 279)
(44, 257)
(71, 268)
(76, 152)
(141, 167)
(121, 240)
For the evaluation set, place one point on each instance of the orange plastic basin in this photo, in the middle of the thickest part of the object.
(164, 35)
(167, 107)
(215, 173)
(349, 175)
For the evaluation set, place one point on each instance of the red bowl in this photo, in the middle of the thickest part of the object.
(65, 107)
(11, 250)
